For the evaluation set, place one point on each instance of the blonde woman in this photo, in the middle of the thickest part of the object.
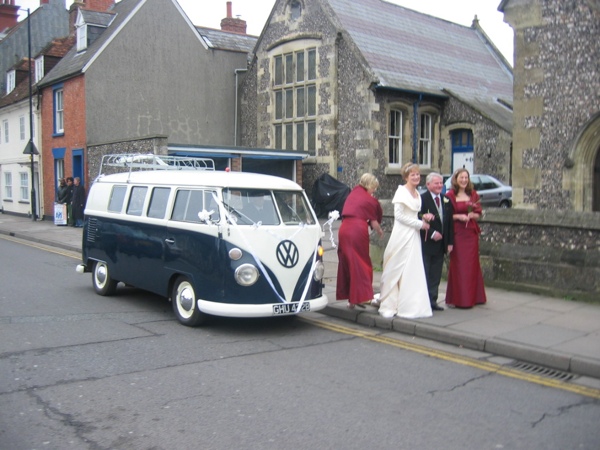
(355, 272)
(403, 283)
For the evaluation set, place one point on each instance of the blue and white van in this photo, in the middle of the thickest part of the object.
(213, 242)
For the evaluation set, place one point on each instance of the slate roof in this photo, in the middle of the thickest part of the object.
(74, 62)
(223, 40)
(98, 18)
(57, 49)
(412, 51)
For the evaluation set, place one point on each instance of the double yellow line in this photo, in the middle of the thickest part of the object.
(439, 354)
(465, 361)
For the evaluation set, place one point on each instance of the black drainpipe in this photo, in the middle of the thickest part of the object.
(416, 126)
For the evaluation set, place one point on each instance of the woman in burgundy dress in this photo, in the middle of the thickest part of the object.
(465, 282)
(355, 271)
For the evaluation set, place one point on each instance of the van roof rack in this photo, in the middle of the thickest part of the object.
(139, 161)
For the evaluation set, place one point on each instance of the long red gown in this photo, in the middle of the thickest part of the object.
(355, 271)
(465, 287)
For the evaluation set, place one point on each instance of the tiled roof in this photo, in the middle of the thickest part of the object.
(412, 51)
(21, 90)
(58, 47)
(223, 40)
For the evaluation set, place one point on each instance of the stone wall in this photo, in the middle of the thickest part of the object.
(556, 99)
(156, 145)
(553, 253)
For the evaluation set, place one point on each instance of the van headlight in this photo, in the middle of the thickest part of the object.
(246, 275)
(319, 271)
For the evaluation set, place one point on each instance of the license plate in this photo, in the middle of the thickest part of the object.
(290, 308)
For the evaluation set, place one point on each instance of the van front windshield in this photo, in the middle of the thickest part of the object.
(253, 206)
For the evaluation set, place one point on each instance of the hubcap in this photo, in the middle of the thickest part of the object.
(186, 299)
(101, 274)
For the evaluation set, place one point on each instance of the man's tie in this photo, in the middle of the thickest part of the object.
(437, 202)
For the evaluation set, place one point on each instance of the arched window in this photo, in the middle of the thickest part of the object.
(295, 9)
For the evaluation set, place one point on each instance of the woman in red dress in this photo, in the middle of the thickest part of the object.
(465, 281)
(355, 271)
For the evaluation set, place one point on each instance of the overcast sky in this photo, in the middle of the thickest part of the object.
(208, 13)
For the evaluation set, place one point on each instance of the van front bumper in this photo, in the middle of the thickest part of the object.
(265, 310)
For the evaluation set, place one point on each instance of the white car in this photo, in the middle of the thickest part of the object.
(493, 192)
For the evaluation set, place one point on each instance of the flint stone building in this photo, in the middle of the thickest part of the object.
(550, 240)
(366, 86)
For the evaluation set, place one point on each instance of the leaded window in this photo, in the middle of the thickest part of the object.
(295, 100)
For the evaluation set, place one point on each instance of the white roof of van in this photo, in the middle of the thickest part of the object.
(198, 178)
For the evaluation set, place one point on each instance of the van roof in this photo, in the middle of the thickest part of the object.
(193, 178)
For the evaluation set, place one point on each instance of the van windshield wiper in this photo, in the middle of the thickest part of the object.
(238, 214)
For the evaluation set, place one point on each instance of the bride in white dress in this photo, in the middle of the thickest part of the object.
(403, 284)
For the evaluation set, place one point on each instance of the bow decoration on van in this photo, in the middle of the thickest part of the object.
(205, 216)
(333, 216)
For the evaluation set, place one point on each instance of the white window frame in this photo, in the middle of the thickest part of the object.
(82, 37)
(22, 127)
(59, 118)
(395, 132)
(425, 139)
(24, 186)
(39, 68)
(11, 79)
(6, 134)
(8, 186)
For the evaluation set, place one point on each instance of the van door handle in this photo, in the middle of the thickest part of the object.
(170, 241)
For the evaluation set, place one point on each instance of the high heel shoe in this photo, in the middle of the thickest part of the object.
(376, 302)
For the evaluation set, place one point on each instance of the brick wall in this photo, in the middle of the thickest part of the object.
(73, 138)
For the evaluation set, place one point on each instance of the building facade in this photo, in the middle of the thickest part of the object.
(556, 137)
(366, 86)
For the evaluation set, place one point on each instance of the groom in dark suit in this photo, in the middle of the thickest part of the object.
(439, 239)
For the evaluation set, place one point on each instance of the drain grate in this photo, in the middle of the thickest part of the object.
(542, 371)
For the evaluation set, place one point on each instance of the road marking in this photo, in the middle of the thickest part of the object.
(439, 354)
(466, 361)
(47, 248)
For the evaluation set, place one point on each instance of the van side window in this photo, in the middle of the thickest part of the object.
(136, 200)
(188, 204)
(117, 198)
(158, 203)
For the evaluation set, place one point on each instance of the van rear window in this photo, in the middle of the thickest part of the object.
(136, 200)
(158, 203)
(117, 197)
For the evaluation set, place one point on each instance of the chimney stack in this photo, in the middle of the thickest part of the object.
(233, 25)
(9, 14)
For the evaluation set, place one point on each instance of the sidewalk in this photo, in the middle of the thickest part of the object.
(554, 333)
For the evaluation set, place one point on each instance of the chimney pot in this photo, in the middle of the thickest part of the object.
(229, 10)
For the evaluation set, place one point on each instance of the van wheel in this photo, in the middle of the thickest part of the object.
(184, 302)
(102, 281)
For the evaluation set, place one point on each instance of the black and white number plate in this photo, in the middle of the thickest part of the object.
(290, 308)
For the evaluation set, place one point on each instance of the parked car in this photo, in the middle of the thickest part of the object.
(493, 192)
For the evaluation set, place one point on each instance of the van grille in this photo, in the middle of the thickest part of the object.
(91, 230)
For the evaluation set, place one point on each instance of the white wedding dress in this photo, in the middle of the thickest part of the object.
(403, 284)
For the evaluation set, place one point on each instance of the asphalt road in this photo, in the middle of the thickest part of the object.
(80, 371)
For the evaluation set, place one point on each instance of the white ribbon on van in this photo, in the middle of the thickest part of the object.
(232, 220)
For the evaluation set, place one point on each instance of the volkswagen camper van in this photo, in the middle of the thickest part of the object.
(214, 242)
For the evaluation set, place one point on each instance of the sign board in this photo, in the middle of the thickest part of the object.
(60, 214)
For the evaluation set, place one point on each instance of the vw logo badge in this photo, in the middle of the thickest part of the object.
(287, 254)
